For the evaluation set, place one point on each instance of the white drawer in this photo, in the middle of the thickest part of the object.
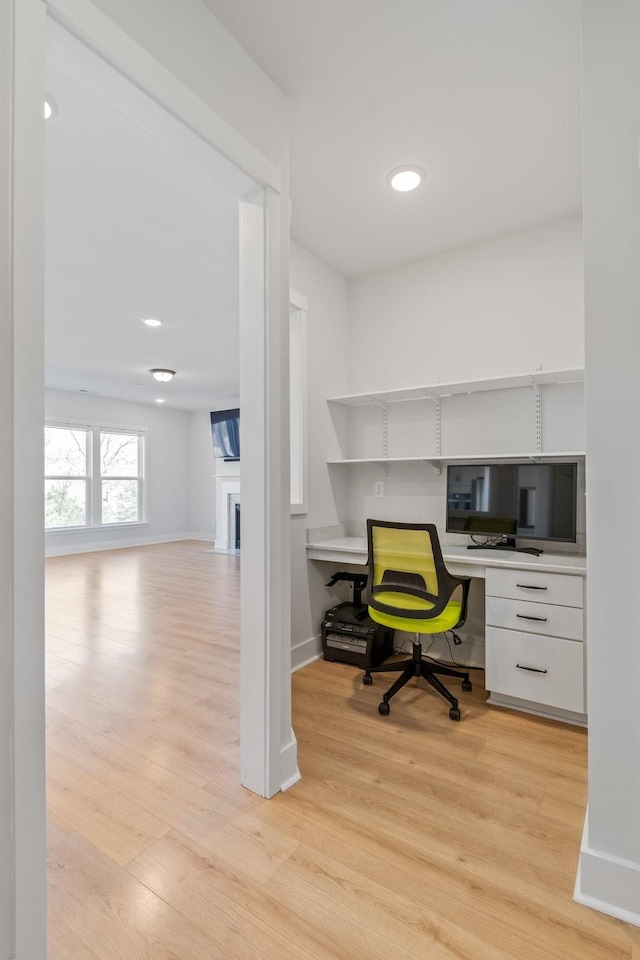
(544, 618)
(545, 670)
(560, 588)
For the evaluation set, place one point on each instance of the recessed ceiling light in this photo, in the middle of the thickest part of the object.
(158, 373)
(150, 322)
(50, 108)
(159, 399)
(404, 179)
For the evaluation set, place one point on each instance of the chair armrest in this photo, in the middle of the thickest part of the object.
(465, 583)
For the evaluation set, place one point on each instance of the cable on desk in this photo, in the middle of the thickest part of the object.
(487, 541)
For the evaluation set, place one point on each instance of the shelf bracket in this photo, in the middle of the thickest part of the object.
(435, 466)
(435, 400)
(538, 394)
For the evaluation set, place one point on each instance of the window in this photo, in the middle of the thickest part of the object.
(94, 476)
(298, 401)
(66, 485)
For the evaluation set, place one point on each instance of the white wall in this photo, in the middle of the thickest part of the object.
(23, 819)
(197, 49)
(6, 511)
(609, 875)
(505, 305)
(327, 327)
(202, 478)
(169, 470)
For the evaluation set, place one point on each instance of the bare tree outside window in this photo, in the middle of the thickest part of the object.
(119, 472)
(66, 477)
(93, 476)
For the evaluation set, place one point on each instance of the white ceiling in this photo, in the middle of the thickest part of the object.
(484, 95)
(134, 230)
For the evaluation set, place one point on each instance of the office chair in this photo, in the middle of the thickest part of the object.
(412, 590)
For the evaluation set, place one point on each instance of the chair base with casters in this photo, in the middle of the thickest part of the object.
(416, 667)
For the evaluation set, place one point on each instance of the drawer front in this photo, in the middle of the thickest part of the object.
(543, 618)
(513, 660)
(559, 588)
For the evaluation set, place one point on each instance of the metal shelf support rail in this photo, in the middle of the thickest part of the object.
(538, 394)
(385, 430)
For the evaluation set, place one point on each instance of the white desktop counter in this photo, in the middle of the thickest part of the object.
(459, 560)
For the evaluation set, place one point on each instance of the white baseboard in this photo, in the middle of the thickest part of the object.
(537, 709)
(207, 537)
(289, 764)
(95, 546)
(607, 883)
(305, 652)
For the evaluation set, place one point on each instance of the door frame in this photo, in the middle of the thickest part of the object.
(268, 748)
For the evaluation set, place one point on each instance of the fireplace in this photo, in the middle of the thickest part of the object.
(228, 512)
(236, 525)
(233, 521)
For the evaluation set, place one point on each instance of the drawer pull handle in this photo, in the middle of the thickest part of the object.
(523, 616)
(530, 669)
(529, 586)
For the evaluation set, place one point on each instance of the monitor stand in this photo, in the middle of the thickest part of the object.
(507, 544)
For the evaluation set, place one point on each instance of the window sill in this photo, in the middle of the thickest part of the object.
(103, 526)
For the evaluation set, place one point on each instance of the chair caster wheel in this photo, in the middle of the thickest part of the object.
(384, 709)
(467, 685)
(454, 713)
(367, 679)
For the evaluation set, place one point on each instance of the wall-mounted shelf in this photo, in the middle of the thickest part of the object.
(435, 394)
(466, 458)
(441, 390)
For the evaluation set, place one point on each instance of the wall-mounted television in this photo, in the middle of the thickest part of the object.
(225, 430)
(536, 501)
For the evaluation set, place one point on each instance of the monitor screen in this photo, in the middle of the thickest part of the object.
(225, 430)
(532, 500)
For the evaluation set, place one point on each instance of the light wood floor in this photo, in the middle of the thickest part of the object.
(409, 836)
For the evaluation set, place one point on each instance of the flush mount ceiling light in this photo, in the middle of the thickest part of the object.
(50, 108)
(150, 322)
(162, 375)
(159, 399)
(404, 179)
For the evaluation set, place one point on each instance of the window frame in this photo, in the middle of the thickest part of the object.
(94, 479)
(298, 439)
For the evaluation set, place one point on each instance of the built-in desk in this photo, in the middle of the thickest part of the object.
(459, 560)
(534, 621)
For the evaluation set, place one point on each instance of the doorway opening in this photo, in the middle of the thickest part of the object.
(143, 277)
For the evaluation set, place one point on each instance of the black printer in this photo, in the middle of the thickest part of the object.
(349, 635)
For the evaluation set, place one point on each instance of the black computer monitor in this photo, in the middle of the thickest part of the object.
(535, 501)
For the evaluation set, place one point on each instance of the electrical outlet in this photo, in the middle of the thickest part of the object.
(378, 489)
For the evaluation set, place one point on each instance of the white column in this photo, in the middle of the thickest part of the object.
(609, 872)
(268, 761)
(22, 797)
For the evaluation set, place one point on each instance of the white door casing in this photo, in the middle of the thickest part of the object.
(268, 745)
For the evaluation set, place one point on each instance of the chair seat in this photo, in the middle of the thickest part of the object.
(448, 619)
